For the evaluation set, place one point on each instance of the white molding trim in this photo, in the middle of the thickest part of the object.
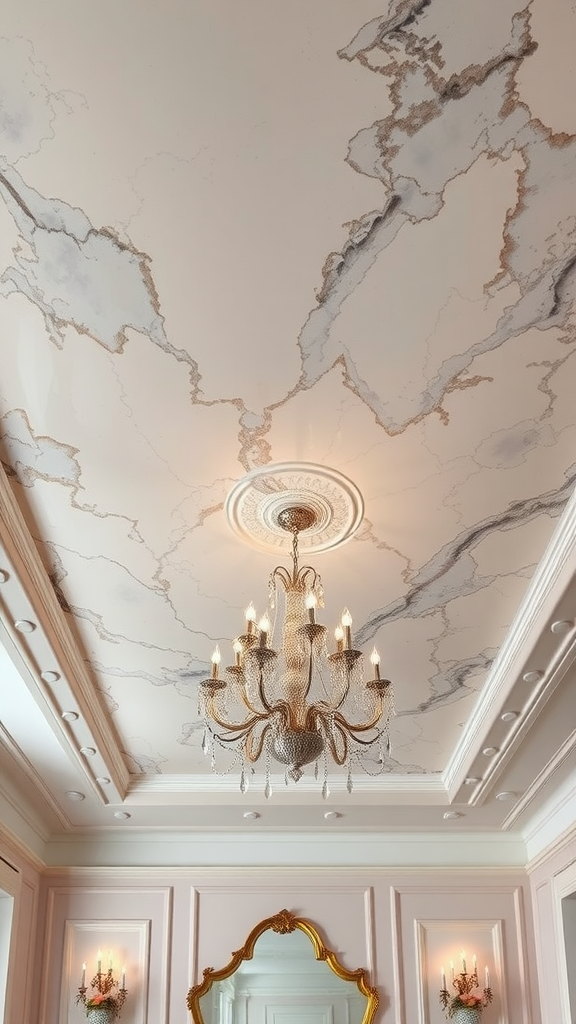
(552, 827)
(27, 565)
(331, 849)
(565, 841)
(397, 959)
(12, 845)
(23, 818)
(204, 786)
(543, 777)
(553, 574)
(33, 776)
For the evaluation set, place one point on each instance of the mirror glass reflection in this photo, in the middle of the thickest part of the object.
(283, 983)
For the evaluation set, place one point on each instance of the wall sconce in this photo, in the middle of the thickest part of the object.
(465, 1006)
(107, 995)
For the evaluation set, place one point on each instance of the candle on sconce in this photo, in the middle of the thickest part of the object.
(443, 979)
(474, 961)
(99, 962)
(339, 638)
(123, 985)
(83, 982)
(463, 955)
(486, 978)
(109, 959)
(452, 970)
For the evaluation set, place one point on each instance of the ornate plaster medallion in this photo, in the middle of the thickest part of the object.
(257, 505)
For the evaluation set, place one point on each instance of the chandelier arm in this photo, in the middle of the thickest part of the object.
(247, 704)
(303, 574)
(339, 759)
(236, 727)
(354, 727)
(230, 739)
(262, 694)
(251, 754)
(282, 573)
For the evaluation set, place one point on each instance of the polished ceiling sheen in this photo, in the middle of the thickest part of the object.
(241, 234)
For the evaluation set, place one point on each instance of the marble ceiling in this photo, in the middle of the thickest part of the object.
(240, 234)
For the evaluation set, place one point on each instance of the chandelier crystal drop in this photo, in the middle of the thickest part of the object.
(298, 704)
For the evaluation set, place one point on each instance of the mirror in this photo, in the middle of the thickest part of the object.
(283, 973)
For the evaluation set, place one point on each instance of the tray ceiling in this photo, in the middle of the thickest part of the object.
(241, 234)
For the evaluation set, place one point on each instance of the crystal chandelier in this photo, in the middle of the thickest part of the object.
(297, 704)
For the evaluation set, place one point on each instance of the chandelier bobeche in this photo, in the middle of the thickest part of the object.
(297, 705)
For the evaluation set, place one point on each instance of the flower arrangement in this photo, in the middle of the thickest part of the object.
(104, 1002)
(460, 1002)
(464, 984)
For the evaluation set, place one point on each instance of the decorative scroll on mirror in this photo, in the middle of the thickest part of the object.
(283, 970)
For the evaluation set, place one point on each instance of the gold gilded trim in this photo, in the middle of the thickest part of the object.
(283, 923)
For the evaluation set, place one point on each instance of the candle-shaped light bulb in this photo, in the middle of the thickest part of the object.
(109, 959)
(237, 648)
(264, 627)
(215, 662)
(463, 955)
(250, 614)
(486, 978)
(339, 638)
(311, 602)
(452, 970)
(123, 985)
(83, 983)
(375, 659)
(347, 625)
(443, 977)
(99, 962)
(474, 965)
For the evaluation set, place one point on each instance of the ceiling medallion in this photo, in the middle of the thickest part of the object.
(294, 702)
(256, 505)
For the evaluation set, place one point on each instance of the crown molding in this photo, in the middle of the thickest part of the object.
(551, 579)
(551, 768)
(33, 776)
(20, 827)
(332, 849)
(205, 786)
(26, 563)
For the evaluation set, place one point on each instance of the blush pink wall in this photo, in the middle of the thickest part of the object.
(401, 924)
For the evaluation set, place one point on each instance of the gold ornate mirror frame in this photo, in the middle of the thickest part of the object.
(283, 923)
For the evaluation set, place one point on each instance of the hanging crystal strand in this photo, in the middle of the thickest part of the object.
(349, 783)
(268, 786)
(316, 770)
(205, 742)
(325, 790)
(243, 778)
(286, 777)
(213, 755)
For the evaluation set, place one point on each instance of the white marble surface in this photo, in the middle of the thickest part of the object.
(233, 234)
